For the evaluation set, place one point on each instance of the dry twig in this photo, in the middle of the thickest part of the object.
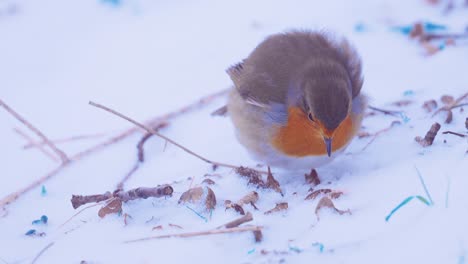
(42, 252)
(124, 196)
(386, 112)
(154, 122)
(152, 131)
(33, 143)
(62, 140)
(239, 221)
(454, 133)
(430, 136)
(59, 152)
(376, 134)
(202, 233)
(449, 107)
(278, 207)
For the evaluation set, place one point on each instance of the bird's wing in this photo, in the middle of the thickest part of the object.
(235, 72)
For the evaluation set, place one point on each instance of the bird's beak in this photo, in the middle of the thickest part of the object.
(328, 145)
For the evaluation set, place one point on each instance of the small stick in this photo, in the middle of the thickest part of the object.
(128, 176)
(80, 211)
(202, 233)
(429, 137)
(451, 105)
(124, 196)
(154, 122)
(454, 133)
(38, 145)
(380, 132)
(387, 112)
(62, 140)
(152, 131)
(59, 152)
(42, 252)
(239, 221)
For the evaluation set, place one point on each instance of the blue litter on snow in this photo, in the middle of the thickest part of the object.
(31, 232)
(319, 245)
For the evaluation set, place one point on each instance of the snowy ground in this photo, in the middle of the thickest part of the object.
(146, 58)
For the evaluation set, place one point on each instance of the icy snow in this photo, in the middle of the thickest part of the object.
(146, 58)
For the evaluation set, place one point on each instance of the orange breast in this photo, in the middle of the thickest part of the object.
(300, 137)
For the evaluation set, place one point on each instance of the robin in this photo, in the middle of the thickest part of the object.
(296, 102)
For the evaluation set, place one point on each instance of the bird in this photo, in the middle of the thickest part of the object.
(296, 101)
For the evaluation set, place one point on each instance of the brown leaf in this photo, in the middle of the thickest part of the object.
(228, 204)
(114, 206)
(430, 105)
(278, 207)
(326, 202)
(197, 194)
(251, 197)
(258, 235)
(208, 182)
(159, 227)
(417, 31)
(466, 123)
(316, 193)
(272, 183)
(447, 99)
(335, 194)
(254, 176)
(312, 178)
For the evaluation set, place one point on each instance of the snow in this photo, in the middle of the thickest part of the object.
(146, 58)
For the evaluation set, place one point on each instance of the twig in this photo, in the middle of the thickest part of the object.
(202, 233)
(42, 252)
(60, 153)
(100, 146)
(454, 133)
(239, 221)
(152, 131)
(62, 140)
(128, 176)
(376, 134)
(387, 112)
(429, 137)
(38, 145)
(450, 106)
(79, 212)
(124, 196)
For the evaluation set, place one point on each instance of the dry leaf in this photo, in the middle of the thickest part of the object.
(312, 178)
(176, 226)
(447, 99)
(326, 202)
(208, 182)
(159, 227)
(251, 197)
(114, 206)
(316, 193)
(199, 195)
(272, 183)
(258, 235)
(430, 105)
(278, 207)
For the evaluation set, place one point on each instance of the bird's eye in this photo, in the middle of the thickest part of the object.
(311, 118)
